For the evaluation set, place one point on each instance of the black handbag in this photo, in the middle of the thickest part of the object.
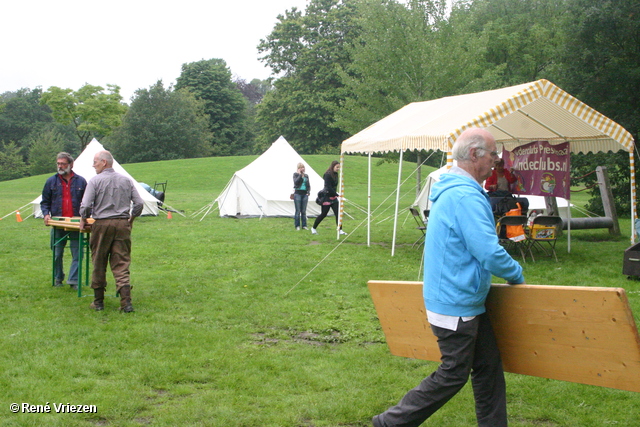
(322, 197)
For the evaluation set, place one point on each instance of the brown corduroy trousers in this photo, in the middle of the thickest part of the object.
(110, 244)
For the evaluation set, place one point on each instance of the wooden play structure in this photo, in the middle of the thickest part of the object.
(578, 334)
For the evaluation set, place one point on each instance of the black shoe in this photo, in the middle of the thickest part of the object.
(58, 283)
(73, 286)
(127, 309)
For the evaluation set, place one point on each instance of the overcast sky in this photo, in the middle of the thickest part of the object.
(132, 43)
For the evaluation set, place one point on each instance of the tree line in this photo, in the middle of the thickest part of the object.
(340, 65)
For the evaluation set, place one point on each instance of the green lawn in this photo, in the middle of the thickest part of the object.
(250, 323)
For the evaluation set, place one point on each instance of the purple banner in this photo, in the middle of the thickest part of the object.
(542, 169)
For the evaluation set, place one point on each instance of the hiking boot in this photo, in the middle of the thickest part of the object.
(97, 307)
(98, 300)
(125, 299)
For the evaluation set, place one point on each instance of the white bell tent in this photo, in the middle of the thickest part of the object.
(516, 115)
(263, 187)
(83, 166)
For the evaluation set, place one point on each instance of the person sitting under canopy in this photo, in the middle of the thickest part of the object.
(499, 183)
(498, 186)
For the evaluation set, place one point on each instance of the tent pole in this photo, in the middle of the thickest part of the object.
(369, 203)
(395, 217)
(341, 198)
(632, 171)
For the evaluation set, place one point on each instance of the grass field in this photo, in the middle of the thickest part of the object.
(251, 323)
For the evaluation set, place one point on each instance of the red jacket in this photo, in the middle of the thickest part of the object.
(493, 179)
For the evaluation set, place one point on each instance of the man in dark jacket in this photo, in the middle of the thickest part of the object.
(61, 196)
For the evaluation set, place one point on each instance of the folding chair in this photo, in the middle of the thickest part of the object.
(518, 241)
(421, 225)
(545, 229)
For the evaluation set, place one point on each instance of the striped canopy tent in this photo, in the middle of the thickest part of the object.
(514, 115)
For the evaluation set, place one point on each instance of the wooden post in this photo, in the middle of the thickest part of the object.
(608, 203)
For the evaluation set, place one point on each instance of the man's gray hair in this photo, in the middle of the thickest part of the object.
(470, 138)
(66, 156)
(105, 155)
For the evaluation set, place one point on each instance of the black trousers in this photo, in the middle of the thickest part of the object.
(472, 349)
(325, 211)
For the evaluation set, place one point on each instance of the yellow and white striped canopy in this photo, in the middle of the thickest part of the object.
(514, 115)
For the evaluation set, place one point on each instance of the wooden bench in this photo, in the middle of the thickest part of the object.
(578, 334)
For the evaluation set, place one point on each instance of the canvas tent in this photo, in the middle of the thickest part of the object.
(263, 187)
(422, 201)
(83, 166)
(514, 115)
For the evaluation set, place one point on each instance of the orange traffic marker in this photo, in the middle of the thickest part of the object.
(18, 217)
(169, 216)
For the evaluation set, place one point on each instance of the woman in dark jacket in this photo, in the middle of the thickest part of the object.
(331, 196)
(301, 190)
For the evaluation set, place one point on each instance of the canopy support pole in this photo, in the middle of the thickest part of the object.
(529, 116)
(341, 198)
(505, 132)
(395, 217)
(369, 203)
(632, 171)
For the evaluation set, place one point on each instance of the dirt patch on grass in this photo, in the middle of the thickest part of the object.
(299, 337)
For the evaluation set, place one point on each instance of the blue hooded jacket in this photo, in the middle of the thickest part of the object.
(462, 249)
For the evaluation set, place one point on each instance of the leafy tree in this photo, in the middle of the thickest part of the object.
(306, 50)
(162, 124)
(11, 164)
(601, 62)
(521, 38)
(253, 91)
(20, 115)
(43, 149)
(404, 53)
(601, 67)
(210, 81)
(583, 168)
(90, 110)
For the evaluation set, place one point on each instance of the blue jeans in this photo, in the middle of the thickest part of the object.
(300, 201)
(59, 241)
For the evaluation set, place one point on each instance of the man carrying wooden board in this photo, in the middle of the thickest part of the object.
(461, 254)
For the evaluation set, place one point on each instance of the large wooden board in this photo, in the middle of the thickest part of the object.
(69, 223)
(578, 334)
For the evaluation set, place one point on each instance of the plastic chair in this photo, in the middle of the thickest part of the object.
(520, 241)
(421, 225)
(545, 229)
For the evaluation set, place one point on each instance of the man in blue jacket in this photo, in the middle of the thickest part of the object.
(61, 196)
(461, 254)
